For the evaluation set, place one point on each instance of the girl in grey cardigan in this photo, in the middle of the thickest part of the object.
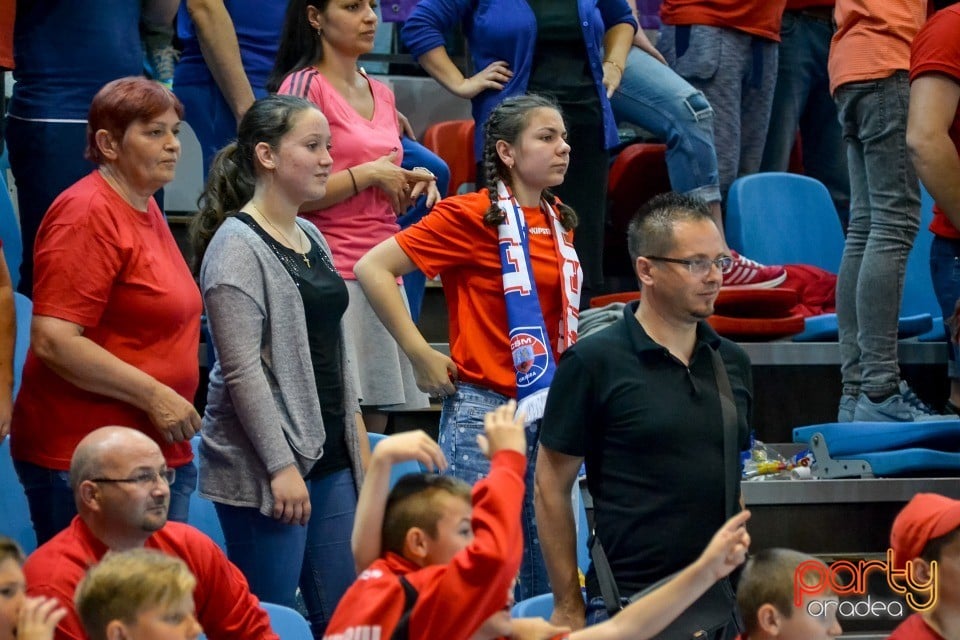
(283, 444)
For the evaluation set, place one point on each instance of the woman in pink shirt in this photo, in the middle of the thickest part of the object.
(319, 51)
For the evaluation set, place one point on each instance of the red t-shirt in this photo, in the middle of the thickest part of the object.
(936, 49)
(118, 273)
(914, 628)
(453, 599)
(453, 241)
(756, 17)
(225, 607)
(8, 12)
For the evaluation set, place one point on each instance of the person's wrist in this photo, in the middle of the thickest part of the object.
(615, 65)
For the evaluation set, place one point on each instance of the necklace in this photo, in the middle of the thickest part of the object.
(302, 251)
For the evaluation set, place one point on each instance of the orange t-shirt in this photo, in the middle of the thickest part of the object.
(453, 242)
(118, 273)
(8, 13)
(873, 39)
(756, 17)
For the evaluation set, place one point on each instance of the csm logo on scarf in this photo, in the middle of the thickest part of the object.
(531, 358)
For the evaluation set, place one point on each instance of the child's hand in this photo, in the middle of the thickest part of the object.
(411, 445)
(39, 618)
(504, 430)
(727, 549)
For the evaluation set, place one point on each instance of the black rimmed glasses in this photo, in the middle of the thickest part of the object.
(144, 479)
(699, 266)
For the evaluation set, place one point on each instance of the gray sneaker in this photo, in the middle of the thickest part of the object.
(848, 404)
(894, 409)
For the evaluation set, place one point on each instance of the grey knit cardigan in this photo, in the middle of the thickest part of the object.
(262, 411)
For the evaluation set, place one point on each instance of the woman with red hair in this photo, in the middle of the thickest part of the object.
(116, 323)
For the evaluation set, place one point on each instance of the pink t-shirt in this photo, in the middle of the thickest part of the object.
(359, 223)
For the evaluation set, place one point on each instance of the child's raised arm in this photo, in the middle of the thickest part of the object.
(365, 540)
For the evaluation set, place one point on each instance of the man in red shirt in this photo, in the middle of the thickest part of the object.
(121, 484)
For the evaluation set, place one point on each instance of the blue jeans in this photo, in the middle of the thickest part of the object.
(737, 73)
(51, 500)
(945, 274)
(802, 101)
(461, 421)
(277, 557)
(884, 218)
(417, 155)
(654, 97)
(45, 158)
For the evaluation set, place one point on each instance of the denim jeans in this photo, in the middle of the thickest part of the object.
(461, 421)
(51, 500)
(277, 557)
(737, 73)
(802, 101)
(417, 155)
(884, 218)
(945, 274)
(654, 97)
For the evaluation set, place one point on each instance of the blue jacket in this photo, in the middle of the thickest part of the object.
(507, 30)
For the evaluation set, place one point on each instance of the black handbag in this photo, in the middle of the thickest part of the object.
(714, 615)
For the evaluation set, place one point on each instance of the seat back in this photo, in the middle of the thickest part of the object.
(536, 607)
(401, 468)
(452, 140)
(24, 309)
(287, 623)
(10, 232)
(202, 514)
(583, 531)
(784, 218)
(15, 519)
(918, 294)
(638, 173)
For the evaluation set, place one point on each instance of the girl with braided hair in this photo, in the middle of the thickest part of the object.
(511, 278)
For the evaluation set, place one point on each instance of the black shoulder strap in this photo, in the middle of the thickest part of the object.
(728, 411)
(402, 630)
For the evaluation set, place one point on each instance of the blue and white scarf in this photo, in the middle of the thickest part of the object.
(532, 356)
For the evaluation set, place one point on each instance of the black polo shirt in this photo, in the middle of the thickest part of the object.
(651, 431)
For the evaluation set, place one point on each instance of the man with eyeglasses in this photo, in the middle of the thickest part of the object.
(121, 485)
(639, 402)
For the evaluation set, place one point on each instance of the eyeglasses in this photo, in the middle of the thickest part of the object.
(144, 479)
(700, 266)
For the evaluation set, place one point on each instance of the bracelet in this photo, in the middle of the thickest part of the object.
(616, 66)
(354, 181)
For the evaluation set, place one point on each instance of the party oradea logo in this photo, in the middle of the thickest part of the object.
(530, 356)
(843, 587)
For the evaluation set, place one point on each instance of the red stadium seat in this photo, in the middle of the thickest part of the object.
(452, 140)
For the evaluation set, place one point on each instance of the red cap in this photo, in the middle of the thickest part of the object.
(926, 516)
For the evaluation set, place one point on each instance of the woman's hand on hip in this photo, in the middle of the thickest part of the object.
(173, 415)
(435, 372)
(494, 76)
(291, 500)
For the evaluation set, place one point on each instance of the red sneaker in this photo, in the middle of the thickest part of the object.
(749, 274)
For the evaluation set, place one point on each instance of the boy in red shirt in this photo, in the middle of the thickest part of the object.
(447, 569)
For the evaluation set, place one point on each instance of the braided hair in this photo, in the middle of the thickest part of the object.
(507, 122)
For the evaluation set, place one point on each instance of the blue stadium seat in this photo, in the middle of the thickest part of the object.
(10, 232)
(784, 218)
(24, 310)
(202, 513)
(15, 521)
(536, 607)
(287, 622)
(400, 469)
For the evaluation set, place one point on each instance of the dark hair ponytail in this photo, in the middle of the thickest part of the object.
(507, 122)
(300, 44)
(233, 172)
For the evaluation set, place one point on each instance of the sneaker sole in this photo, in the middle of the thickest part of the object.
(766, 284)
